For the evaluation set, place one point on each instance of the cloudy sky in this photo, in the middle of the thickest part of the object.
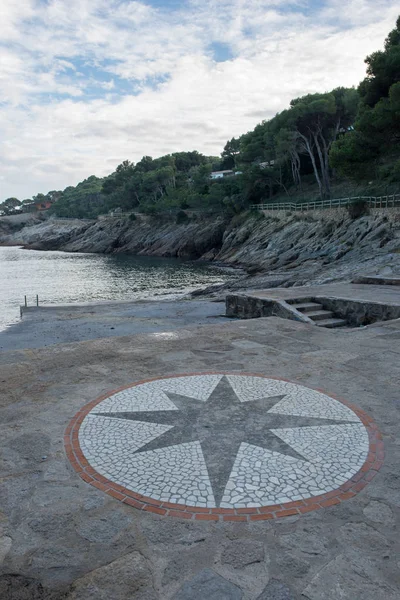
(86, 84)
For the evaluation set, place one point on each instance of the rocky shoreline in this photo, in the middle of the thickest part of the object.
(281, 249)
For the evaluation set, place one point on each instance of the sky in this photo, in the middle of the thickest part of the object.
(86, 84)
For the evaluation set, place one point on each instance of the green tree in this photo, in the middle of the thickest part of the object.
(39, 198)
(229, 153)
(9, 205)
(315, 121)
(254, 145)
(372, 147)
(85, 200)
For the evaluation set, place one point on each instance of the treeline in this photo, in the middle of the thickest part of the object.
(348, 133)
(372, 149)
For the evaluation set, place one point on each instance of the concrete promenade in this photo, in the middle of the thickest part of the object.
(53, 324)
(388, 294)
(64, 538)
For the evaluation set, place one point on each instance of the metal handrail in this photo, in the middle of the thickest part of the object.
(372, 201)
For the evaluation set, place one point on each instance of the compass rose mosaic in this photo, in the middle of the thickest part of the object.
(224, 446)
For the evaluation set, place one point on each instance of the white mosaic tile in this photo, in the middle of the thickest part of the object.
(303, 402)
(151, 395)
(299, 400)
(248, 388)
(139, 398)
(345, 443)
(333, 454)
(199, 387)
(255, 475)
(174, 474)
(187, 481)
(262, 477)
(99, 436)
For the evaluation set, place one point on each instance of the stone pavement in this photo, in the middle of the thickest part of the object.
(67, 323)
(61, 537)
(387, 294)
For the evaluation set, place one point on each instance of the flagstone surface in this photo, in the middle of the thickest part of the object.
(69, 532)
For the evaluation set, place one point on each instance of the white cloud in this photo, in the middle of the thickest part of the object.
(67, 68)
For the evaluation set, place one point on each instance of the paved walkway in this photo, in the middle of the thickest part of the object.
(388, 294)
(67, 533)
(52, 324)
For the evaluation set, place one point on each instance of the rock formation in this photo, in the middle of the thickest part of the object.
(286, 249)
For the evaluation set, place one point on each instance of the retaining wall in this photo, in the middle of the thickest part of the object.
(331, 214)
(355, 312)
(359, 312)
(251, 307)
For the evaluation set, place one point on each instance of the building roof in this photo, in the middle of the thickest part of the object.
(218, 172)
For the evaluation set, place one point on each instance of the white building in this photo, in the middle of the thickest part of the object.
(221, 174)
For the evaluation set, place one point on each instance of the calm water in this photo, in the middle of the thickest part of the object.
(59, 277)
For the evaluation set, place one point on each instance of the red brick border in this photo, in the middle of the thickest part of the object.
(344, 492)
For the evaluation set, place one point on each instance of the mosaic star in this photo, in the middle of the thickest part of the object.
(221, 425)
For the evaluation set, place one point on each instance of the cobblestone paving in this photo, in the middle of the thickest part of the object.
(233, 442)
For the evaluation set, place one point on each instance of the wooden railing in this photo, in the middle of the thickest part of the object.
(372, 201)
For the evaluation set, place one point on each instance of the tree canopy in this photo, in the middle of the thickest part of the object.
(9, 205)
(82, 201)
(371, 150)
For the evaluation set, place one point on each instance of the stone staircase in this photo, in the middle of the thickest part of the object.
(315, 311)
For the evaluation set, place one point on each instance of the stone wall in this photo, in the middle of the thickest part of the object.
(355, 312)
(377, 280)
(332, 214)
(359, 312)
(251, 307)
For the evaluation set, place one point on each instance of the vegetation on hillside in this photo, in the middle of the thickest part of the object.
(82, 201)
(372, 149)
(346, 134)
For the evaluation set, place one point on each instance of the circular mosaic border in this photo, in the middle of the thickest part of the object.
(349, 489)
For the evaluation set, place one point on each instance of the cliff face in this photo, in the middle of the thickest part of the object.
(317, 247)
(9, 225)
(143, 236)
(146, 236)
(295, 248)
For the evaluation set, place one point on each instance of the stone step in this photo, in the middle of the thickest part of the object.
(307, 306)
(301, 300)
(320, 315)
(331, 323)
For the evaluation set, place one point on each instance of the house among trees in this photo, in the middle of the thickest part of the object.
(222, 174)
(115, 212)
(44, 205)
(40, 202)
(36, 206)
